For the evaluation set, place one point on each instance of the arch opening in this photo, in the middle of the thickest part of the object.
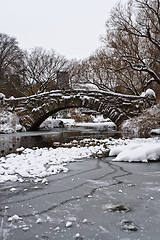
(42, 118)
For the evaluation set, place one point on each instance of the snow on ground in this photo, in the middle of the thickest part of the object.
(51, 123)
(40, 163)
(9, 123)
(137, 152)
(98, 122)
(97, 125)
(144, 123)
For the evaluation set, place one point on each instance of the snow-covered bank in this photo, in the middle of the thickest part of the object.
(144, 123)
(51, 123)
(9, 123)
(103, 125)
(137, 152)
(98, 123)
(39, 163)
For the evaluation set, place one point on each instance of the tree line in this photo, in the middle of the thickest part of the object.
(128, 61)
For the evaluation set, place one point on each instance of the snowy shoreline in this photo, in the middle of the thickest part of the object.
(37, 164)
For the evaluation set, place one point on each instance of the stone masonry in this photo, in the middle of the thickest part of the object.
(33, 110)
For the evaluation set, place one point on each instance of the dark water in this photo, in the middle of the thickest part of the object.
(10, 142)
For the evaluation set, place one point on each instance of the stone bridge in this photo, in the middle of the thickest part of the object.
(33, 110)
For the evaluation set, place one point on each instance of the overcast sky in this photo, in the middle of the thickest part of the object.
(70, 27)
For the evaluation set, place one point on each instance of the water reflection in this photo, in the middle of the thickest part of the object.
(10, 142)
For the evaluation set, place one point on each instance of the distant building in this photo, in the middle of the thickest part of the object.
(62, 80)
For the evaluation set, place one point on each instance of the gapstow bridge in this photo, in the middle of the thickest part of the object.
(33, 110)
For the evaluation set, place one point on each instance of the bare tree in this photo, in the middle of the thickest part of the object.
(133, 35)
(100, 69)
(11, 65)
(93, 71)
(41, 67)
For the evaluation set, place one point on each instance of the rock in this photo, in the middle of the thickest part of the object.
(68, 224)
(128, 226)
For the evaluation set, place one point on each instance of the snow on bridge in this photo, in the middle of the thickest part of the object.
(33, 110)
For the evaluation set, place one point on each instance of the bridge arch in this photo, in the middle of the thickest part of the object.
(40, 114)
(33, 110)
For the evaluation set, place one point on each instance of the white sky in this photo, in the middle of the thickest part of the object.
(70, 27)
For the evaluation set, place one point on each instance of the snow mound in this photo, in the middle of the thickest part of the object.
(143, 123)
(100, 126)
(9, 123)
(142, 152)
(50, 123)
(155, 131)
(41, 163)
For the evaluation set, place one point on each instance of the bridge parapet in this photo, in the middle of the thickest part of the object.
(33, 110)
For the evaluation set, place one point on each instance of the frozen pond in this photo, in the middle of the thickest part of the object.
(97, 199)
